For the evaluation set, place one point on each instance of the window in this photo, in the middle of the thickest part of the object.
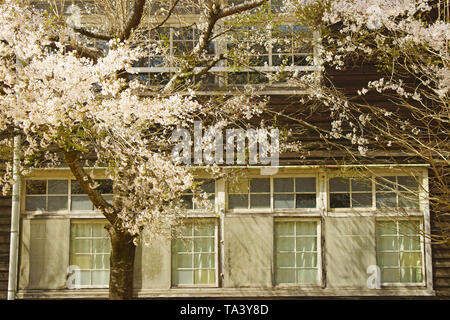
(288, 193)
(80, 200)
(194, 255)
(46, 195)
(399, 253)
(90, 249)
(62, 195)
(397, 191)
(296, 252)
(205, 185)
(350, 193)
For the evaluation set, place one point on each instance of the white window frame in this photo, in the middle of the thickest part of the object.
(319, 253)
(86, 221)
(373, 210)
(216, 253)
(306, 211)
(425, 264)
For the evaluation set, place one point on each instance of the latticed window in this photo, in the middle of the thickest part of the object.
(90, 249)
(194, 254)
(296, 252)
(399, 251)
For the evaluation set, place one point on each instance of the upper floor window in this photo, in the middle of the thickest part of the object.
(273, 193)
(381, 192)
(56, 195)
(205, 185)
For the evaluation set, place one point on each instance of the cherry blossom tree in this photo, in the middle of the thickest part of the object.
(79, 104)
(402, 111)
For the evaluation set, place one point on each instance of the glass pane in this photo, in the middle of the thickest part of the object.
(307, 276)
(407, 184)
(283, 200)
(259, 201)
(361, 185)
(58, 186)
(76, 188)
(35, 203)
(187, 201)
(204, 277)
(285, 260)
(204, 245)
(36, 186)
(388, 259)
(386, 200)
(187, 230)
(98, 230)
(409, 227)
(284, 228)
(390, 275)
(306, 228)
(260, 185)
(56, 203)
(81, 203)
(81, 246)
(106, 186)
(306, 260)
(410, 243)
(183, 261)
(305, 184)
(208, 187)
(101, 261)
(238, 201)
(283, 185)
(241, 186)
(386, 227)
(285, 244)
(184, 277)
(387, 243)
(385, 183)
(361, 200)
(81, 230)
(204, 260)
(411, 275)
(408, 200)
(100, 278)
(411, 259)
(101, 245)
(204, 229)
(339, 184)
(285, 275)
(306, 244)
(183, 245)
(339, 200)
(305, 200)
(83, 261)
(85, 278)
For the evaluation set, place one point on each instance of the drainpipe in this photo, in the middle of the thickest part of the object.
(15, 219)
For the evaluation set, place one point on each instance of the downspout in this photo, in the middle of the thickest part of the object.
(15, 219)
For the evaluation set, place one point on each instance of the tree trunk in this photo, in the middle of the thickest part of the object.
(121, 265)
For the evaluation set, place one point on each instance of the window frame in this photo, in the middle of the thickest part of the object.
(305, 211)
(422, 250)
(194, 220)
(202, 210)
(319, 284)
(87, 221)
(94, 213)
(373, 209)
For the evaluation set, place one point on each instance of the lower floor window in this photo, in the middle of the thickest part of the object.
(194, 254)
(90, 249)
(399, 253)
(296, 252)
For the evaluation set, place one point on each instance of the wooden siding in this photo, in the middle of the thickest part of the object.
(5, 226)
